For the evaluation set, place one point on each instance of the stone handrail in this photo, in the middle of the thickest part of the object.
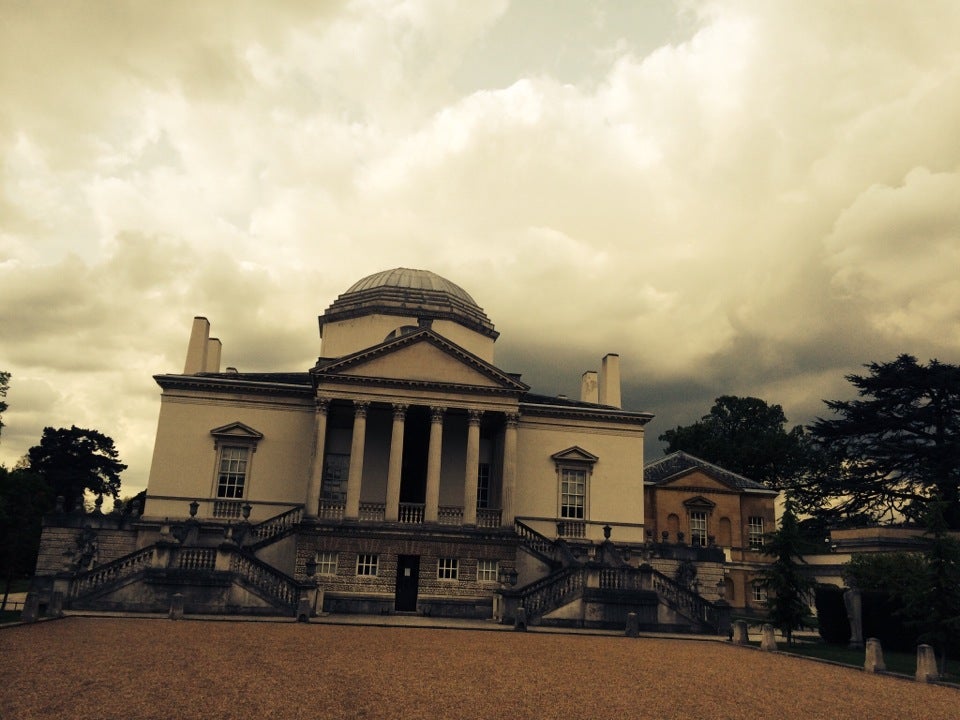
(550, 592)
(277, 525)
(450, 515)
(125, 566)
(538, 544)
(273, 583)
(197, 558)
(330, 510)
(372, 512)
(685, 601)
(488, 518)
(411, 513)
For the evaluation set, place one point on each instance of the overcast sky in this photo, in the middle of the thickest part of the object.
(749, 198)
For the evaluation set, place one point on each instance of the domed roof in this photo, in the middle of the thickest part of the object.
(405, 292)
(413, 279)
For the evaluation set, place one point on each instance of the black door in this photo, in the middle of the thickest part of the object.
(408, 576)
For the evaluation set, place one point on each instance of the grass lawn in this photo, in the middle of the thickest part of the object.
(898, 662)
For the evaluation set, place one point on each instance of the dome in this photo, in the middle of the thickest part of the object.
(411, 279)
(409, 293)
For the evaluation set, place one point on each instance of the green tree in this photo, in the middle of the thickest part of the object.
(747, 436)
(789, 588)
(24, 498)
(76, 460)
(933, 604)
(887, 454)
(4, 386)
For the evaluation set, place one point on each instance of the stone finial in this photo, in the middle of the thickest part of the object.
(926, 664)
(768, 640)
(873, 662)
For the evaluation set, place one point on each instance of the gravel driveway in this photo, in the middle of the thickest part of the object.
(107, 668)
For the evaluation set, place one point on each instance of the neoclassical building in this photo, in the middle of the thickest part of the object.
(404, 472)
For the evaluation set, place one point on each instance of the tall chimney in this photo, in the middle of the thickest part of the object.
(610, 380)
(212, 363)
(197, 349)
(588, 387)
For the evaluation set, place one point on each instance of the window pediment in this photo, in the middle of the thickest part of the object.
(699, 503)
(574, 455)
(237, 432)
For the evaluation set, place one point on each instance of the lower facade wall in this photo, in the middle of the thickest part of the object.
(346, 591)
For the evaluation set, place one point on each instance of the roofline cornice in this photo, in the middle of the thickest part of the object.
(218, 384)
(599, 413)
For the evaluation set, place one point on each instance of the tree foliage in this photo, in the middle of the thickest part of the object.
(75, 460)
(887, 454)
(747, 436)
(789, 588)
(4, 387)
(24, 498)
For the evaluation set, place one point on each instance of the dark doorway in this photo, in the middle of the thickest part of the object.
(408, 581)
(416, 443)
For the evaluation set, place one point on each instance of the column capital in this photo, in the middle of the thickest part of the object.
(360, 408)
(512, 419)
(400, 411)
(474, 416)
(322, 405)
(436, 413)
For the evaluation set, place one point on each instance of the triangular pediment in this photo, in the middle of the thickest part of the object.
(699, 503)
(574, 454)
(423, 358)
(696, 477)
(237, 431)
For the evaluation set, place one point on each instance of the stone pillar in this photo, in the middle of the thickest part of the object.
(740, 636)
(395, 464)
(355, 476)
(315, 483)
(633, 625)
(31, 608)
(431, 509)
(854, 604)
(926, 664)
(768, 641)
(873, 662)
(176, 607)
(520, 619)
(304, 609)
(55, 610)
(509, 469)
(472, 469)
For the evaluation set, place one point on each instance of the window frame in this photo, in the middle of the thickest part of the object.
(491, 573)
(567, 462)
(327, 562)
(235, 436)
(448, 569)
(755, 533)
(698, 532)
(367, 562)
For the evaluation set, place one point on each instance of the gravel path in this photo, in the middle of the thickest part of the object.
(143, 669)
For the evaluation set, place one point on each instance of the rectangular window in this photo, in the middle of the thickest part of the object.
(573, 490)
(698, 528)
(488, 571)
(327, 563)
(759, 593)
(483, 486)
(367, 565)
(755, 533)
(336, 467)
(447, 568)
(233, 472)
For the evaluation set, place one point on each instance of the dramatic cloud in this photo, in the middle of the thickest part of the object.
(738, 197)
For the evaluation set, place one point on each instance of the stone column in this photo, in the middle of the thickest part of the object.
(472, 469)
(396, 464)
(431, 509)
(355, 476)
(509, 469)
(312, 503)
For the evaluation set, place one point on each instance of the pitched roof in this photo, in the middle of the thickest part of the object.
(662, 471)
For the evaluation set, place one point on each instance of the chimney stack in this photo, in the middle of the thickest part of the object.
(212, 363)
(197, 349)
(610, 380)
(588, 387)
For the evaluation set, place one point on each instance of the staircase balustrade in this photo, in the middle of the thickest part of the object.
(551, 592)
(685, 601)
(122, 567)
(535, 542)
(277, 525)
(197, 558)
(275, 584)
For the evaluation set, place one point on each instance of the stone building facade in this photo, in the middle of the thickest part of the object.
(403, 472)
